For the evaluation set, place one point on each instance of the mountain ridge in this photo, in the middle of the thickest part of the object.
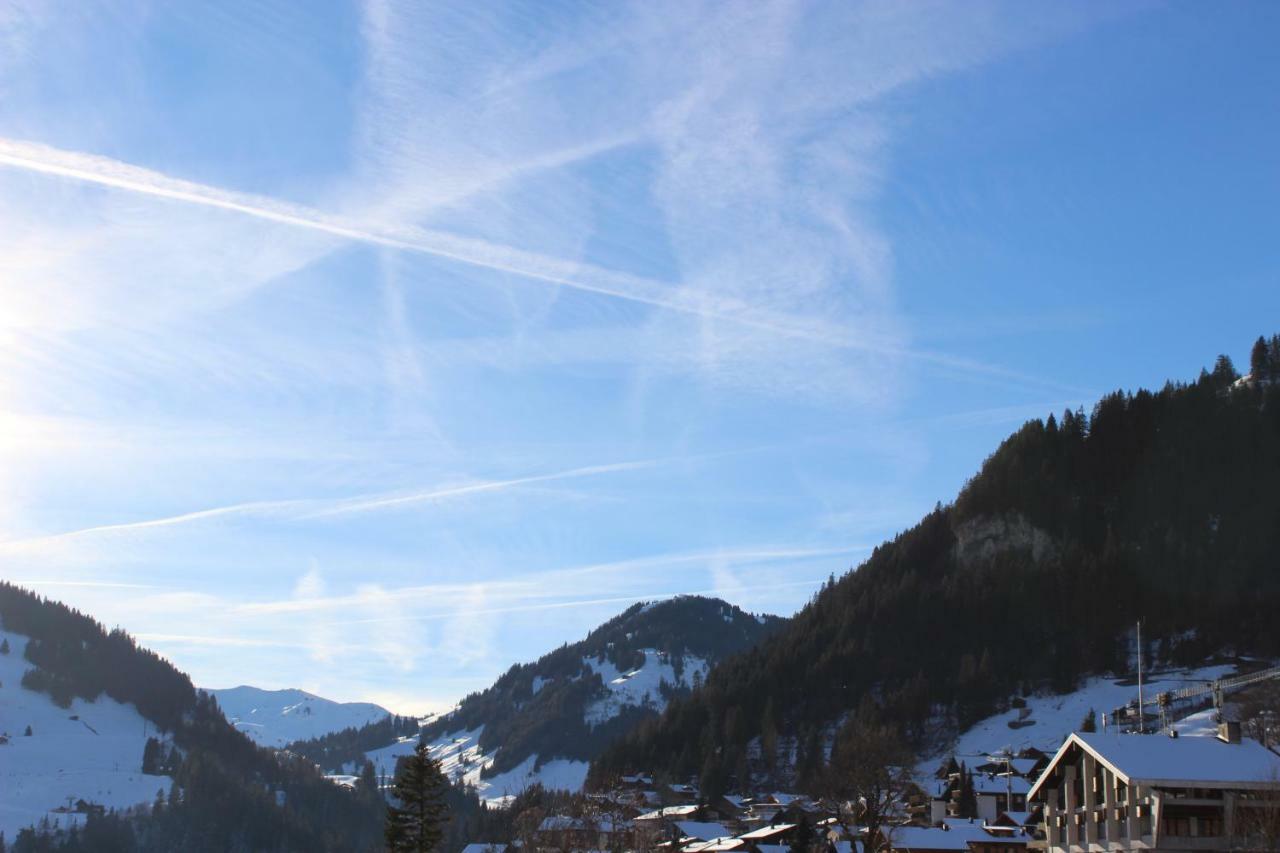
(1070, 531)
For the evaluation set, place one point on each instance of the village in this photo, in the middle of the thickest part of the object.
(1114, 790)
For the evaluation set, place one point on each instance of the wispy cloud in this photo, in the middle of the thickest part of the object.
(529, 591)
(464, 239)
(708, 303)
(303, 509)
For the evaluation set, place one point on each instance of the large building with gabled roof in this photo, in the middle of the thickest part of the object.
(1116, 792)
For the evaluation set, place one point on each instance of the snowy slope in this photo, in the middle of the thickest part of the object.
(639, 686)
(1052, 718)
(462, 760)
(278, 717)
(90, 751)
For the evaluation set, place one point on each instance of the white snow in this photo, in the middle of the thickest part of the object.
(279, 717)
(639, 687)
(557, 774)
(1154, 758)
(97, 758)
(1052, 718)
(462, 760)
(702, 830)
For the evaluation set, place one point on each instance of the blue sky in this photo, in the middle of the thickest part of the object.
(371, 348)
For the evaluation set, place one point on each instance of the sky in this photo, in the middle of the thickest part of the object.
(372, 347)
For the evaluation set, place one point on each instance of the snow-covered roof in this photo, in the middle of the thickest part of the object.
(702, 830)
(931, 838)
(768, 831)
(559, 823)
(1189, 761)
(1020, 818)
(1023, 766)
(484, 848)
(1000, 784)
(669, 811)
(715, 845)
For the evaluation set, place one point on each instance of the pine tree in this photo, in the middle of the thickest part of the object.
(1224, 371)
(768, 736)
(1090, 721)
(417, 823)
(802, 842)
(151, 756)
(968, 804)
(368, 778)
(4, 650)
(1273, 368)
(1260, 359)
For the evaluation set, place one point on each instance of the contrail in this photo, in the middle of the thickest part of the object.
(384, 501)
(103, 171)
(301, 509)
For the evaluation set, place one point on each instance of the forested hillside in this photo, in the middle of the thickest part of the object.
(1163, 506)
(574, 701)
(226, 793)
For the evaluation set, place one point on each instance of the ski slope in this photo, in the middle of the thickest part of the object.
(278, 717)
(1052, 717)
(90, 751)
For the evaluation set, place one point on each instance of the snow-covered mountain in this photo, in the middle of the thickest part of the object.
(89, 751)
(278, 717)
(544, 721)
(83, 709)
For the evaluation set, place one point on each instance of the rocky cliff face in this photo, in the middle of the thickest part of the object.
(982, 538)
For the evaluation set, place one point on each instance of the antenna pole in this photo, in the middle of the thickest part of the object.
(1008, 778)
(1142, 720)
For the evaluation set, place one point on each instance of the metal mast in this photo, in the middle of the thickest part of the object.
(1142, 722)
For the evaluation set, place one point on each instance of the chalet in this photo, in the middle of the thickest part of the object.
(560, 832)
(1157, 792)
(1027, 767)
(1013, 824)
(995, 794)
(698, 830)
(778, 833)
(659, 826)
(677, 793)
(731, 806)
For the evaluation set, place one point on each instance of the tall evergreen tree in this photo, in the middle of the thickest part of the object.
(1224, 371)
(417, 823)
(1260, 360)
(968, 805)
